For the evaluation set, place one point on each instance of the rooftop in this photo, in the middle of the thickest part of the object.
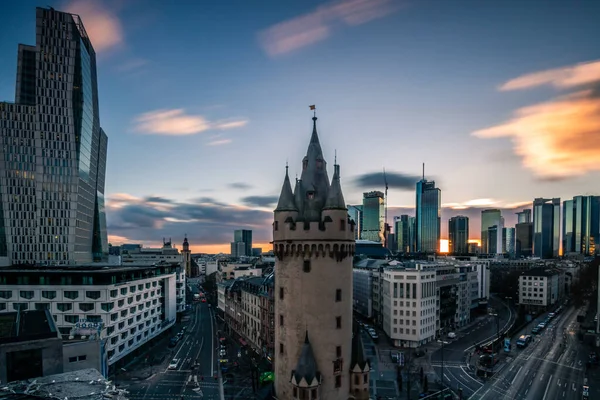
(541, 272)
(83, 269)
(26, 325)
(86, 384)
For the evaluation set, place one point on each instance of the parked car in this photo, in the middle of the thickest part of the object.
(222, 353)
(451, 335)
(174, 364)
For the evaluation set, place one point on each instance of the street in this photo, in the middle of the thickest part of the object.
(552, 367)
(198, 345)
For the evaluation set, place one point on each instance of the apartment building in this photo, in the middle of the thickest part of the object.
(126, 306)
(541, 288)
(409, 303)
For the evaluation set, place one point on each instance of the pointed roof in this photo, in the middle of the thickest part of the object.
(286, 198)
(335, 198)
(358, 353)
(306, 368)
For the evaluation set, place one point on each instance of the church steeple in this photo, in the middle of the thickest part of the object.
(335, 199)
(286, 198)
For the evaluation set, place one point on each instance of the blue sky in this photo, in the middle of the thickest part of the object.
(204, 102)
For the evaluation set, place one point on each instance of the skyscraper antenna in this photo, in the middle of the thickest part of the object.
(423, 171)
(335, 157)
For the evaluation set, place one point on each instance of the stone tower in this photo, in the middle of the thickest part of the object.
(313, 240)
(187, 257)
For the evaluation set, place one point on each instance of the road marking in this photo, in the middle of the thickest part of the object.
(547, 387)
(541, 377)
(515, 378)
(558, 382)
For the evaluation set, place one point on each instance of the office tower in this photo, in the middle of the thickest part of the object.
(392, 244)
(546, 227)
(402, 230)
(524, 239)
(315, 349)
(428, 216)
(54, 152)
(489, 218)
(458, 235)
(356, 214)
(568, 226)
(492, 239)
(524, 216)
(508, 241)
(412, 234)
(373, 216)
(243, 236)
(585, 225)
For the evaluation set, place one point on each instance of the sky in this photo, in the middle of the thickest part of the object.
(205, 102)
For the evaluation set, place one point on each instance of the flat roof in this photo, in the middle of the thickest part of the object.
(107, 268)
(26, 325)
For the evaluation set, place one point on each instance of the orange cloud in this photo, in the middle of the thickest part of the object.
(565, 77)
(177, 122)
(102, 26)
(318, 25)
(556, 139)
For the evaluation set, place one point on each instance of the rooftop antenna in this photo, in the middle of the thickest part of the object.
(335, 157)
(423, 171)
(385, 206)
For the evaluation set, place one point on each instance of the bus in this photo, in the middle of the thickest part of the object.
(523, 341)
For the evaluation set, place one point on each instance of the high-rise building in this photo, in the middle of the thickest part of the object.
(524, 239)
(412, 234)
(373, 215)
(316, 355)
(356, 214)
(586, 230)
(243, 236)
(54, 150)
(402, 231)
(508, 241)
(428, 216)
(493, 234)
(568, 226)
(458, 235)
(489, 218)
(524, 216)
(546, 227)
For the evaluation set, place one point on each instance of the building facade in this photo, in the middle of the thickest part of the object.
(458, 235)
(53, 150)
(125, 306)
(490, 218)
(428, 217)
(546, 228)
(373, 215)
(242, 243)
(524, 216)
(313, 241)
(356, 214)
(508, 241)
(402, 231)
(581, 225)
(524, 239)
(541, 288)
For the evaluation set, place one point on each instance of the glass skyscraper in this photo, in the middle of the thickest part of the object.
(489, 218)
(546, 227)
(373, 216)
(355, 213)
(524, 216)
(402, 232)
(243, 236)
(458, 235)
(581, 225)
(428, 216)
(508, 241)
(53, 150)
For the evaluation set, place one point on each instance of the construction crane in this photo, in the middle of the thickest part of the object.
(385, 206)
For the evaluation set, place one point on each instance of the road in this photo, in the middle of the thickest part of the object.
(454, 353)
(198, 345)
(550, 368)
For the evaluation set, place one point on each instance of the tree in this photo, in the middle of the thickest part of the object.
(210, 283)
(586, 285)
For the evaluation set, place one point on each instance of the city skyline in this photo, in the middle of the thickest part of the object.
(253, 80)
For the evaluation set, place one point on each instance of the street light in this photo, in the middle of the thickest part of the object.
(442, 342)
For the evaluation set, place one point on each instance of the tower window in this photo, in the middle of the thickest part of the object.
(313, 394)
(280, 320)
(338, 322)
(306, 266)
(276, 225)
(338, 381)
(338, 351)
(295, 392)
(280, 348)
(342, 224)
(338, 295)
(280, 293)
(310, 195)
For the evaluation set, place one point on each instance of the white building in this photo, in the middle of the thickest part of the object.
(540, 288)
(139, 255)
(409, 304)
(126, 306)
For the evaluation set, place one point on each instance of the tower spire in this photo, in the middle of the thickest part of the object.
(423, 171)
(286, 198)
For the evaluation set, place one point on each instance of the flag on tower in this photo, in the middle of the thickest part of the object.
(313, 107)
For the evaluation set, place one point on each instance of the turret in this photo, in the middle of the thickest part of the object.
(360, 368)
(306, 377)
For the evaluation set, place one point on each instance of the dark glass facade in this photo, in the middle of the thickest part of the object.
(402, 231)
(373, 216)
(458, 235)
(428, 217)
(244, 236)
(546, 228)
(54, 150)
(568, 238)
(523, 239)
(581, 225)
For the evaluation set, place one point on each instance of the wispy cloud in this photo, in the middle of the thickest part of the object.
(176, 122)
(559, 138)
(132, 64)
(319, 24)
(101, 24)
(240, 185)
(219, 142)
(565, 77)
(484, 203)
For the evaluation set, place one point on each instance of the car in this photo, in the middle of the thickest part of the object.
(542, 325)
(174, 364)
(536, 330)
(551, 315)
(222, 353)
(451, 335)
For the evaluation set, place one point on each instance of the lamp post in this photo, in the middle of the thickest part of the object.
(497, 336)
(442, 342)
